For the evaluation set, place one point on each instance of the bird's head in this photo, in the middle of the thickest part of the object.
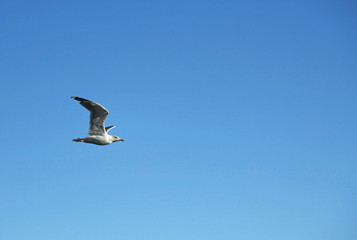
(116, 139)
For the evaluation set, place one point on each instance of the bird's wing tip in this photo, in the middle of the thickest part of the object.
(80, 99)
(109, 128)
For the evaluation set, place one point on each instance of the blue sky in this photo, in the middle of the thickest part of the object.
(239, 119)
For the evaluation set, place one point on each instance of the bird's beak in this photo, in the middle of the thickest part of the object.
(121, 140)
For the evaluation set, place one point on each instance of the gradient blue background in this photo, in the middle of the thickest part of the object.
(239, 119)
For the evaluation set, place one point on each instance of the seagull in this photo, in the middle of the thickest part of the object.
(98, 134)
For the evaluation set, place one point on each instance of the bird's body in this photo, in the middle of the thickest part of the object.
(98, 133)
(96, 139)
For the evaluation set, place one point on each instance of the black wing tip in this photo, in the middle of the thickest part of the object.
(79, 99)
(109, 128)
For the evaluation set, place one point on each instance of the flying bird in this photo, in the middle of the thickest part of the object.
(98, 133)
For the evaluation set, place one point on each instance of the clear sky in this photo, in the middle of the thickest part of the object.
(239, 119)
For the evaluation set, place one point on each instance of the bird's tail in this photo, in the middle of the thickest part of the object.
(78, 140)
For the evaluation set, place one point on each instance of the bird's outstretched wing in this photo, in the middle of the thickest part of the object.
(98, 114)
